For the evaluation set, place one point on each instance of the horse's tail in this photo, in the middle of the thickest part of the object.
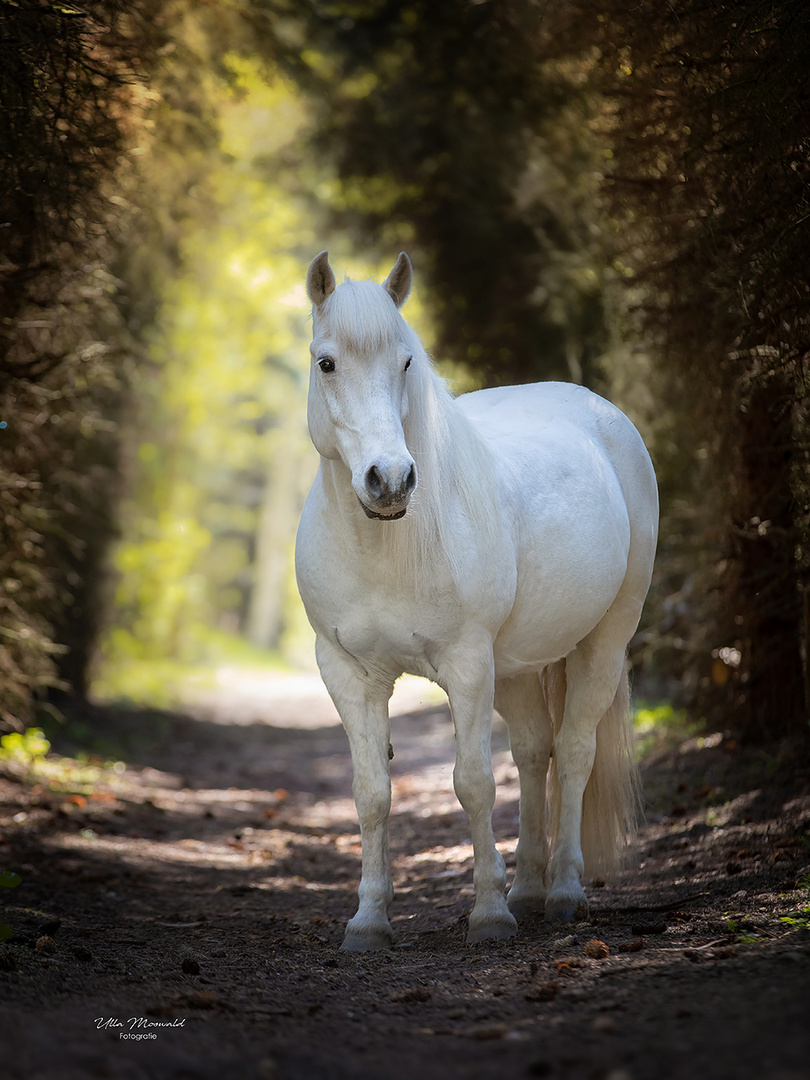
(611, 806)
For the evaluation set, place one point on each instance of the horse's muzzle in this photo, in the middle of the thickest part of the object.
(387, 492)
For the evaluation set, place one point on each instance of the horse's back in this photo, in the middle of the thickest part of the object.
(544, 425)
(538, 408)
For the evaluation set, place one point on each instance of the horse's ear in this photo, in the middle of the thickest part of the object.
(320, 279)
(399, 281)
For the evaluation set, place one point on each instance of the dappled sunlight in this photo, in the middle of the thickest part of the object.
(212, 876)
(150, 817)
(223, 457)
(132, 851)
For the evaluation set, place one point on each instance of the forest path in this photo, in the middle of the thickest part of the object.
(198, 898)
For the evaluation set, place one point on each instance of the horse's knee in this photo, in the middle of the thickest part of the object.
(372, 796)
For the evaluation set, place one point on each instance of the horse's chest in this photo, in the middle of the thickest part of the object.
(391, 611)
(383, 628)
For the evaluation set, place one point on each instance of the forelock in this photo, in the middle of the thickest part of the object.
(362, 314)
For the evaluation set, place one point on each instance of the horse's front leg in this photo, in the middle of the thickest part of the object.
(469, 678)
(363, 707)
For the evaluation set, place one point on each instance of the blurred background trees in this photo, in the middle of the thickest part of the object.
(66, 111)
(711, 182)
(612, 195)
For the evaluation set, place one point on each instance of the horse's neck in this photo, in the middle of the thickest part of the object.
(450, 450)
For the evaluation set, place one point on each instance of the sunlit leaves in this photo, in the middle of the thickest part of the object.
(231, 356)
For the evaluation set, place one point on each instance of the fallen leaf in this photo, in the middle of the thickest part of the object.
(596, 950)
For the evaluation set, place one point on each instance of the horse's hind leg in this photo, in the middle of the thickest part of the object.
(595, 671)
(521, 703)
(468, 677)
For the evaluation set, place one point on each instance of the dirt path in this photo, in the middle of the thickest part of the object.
(198, 898)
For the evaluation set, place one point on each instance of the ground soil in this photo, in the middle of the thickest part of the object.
(198, 897)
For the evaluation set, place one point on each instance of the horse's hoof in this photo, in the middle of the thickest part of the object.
(492, 930)
(566, 909)
(366, 940)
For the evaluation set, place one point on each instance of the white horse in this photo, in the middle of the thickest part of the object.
(500, 544)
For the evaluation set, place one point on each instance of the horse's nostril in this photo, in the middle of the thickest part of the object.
(390, 488)
(374, 482)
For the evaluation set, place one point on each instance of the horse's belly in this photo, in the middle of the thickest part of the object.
(530, 640)
(571, 566)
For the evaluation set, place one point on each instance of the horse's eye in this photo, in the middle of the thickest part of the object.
(326, 363)
(408, 362)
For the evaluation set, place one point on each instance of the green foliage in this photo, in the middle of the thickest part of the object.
(708, 185)
(219, 456)
(25, 748)
(221, 424)
(800, 918)
(130, 676)
(28, 754)
(68, 112)
(159, 594)
(109, 137)
(658, 725)
(648, 717)
(459, 130)
(620, 199)
(740, 935)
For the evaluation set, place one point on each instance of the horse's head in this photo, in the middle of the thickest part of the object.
(358, 388)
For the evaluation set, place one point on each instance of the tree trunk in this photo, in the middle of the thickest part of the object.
(768, 605)
(265, 616)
